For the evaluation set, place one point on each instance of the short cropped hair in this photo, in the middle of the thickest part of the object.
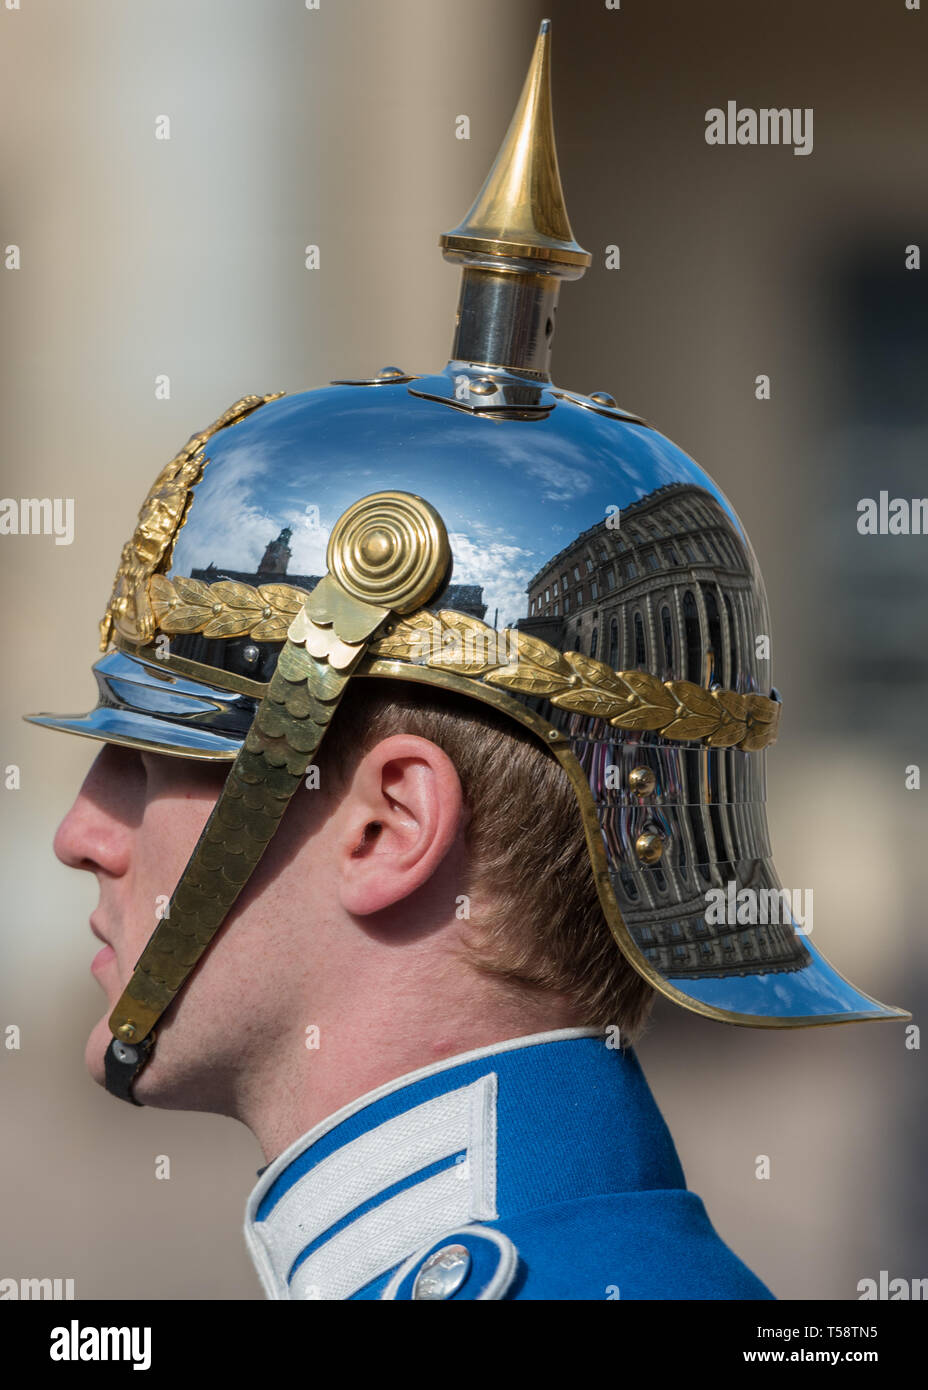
(546, 930)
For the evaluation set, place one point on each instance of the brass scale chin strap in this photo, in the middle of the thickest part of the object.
(387, 554)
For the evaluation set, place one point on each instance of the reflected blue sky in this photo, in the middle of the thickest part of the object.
(512, 493)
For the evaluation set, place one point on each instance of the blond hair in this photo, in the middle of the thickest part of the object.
(546, 930)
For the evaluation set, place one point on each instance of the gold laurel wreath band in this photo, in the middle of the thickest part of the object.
(224, 609)
(633, 700)
(161, 516)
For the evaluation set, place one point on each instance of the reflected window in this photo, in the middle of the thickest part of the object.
(566, 604)
(576, 571)
(594, 589)
(594, 638)
(614, 644)
(557, 607)
(640, 654)
(732, 674)
(672, 558)
(580, 593)
(547, 595)
(555, 588)
(692, 639)
(589, 565)
(653, 562)
(631, 569)
(610, 579)
(714, 620)
(667, 634)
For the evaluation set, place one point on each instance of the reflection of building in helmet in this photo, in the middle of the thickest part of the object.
(277, 556)
(243, 655)
(708, 807)
(666, 914)
(667, 590)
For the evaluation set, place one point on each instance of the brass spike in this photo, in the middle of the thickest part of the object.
(520, 210)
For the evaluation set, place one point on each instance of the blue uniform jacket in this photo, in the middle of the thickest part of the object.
(538, 1168)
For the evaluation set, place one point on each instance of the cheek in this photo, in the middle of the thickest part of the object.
(287, 891)
(164, 842)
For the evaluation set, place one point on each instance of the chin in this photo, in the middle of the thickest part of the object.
(162, 1087)
(97, 1044)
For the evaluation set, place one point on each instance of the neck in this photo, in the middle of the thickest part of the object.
(309, 1075)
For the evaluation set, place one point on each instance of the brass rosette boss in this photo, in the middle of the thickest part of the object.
(388, 554)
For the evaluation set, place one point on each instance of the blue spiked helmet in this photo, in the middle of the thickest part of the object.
(542, 551)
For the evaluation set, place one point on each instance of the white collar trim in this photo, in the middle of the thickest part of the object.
(459, 1122)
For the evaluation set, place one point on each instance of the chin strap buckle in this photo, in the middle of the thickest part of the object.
(122, 1064)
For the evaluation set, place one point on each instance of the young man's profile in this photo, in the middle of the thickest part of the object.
(435, 711)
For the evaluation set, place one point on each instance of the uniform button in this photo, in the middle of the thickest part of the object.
(442, 1273)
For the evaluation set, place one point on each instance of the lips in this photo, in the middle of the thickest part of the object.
(98, 933)
(104, 956)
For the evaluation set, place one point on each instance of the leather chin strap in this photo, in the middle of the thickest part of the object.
(122, 1064)
(324, 645)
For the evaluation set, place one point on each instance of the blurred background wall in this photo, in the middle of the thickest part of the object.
(336, 126)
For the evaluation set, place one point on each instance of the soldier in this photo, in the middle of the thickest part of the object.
(452, 861)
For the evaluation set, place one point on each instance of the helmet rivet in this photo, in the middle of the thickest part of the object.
(483, 386)
(251, 653)
(217, 607)
(642, 781)
(377, 546)
(649, 847)
(603, 398)
(266, 612)
(553, 734)
(386, 372)
(390, 549)
(126, 1031)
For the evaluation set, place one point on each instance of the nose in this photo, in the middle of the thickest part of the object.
(96, 833)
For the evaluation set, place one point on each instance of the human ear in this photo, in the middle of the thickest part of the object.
(401, 814)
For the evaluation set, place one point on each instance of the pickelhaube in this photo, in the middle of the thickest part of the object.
(480, 529)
